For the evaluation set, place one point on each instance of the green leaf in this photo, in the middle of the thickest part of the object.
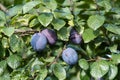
(50, 59)
(67, 13)
(63, 34)
(5, 43)
(5, 76)
(51, 4)
(115, 58)
(84, 76)
(2, 18)
(42, 73)
(25, 19)
(2, 51)
(15, 10)
(33, 23)
(99, 69)
(95, 21)
(113, 48)
(35, 66)
(89, 35)
(112, 72)
(45, 19)
(19, 76)
(58, 24)
(3, 66)
(113, 28)
(8, 31)
(83, 64)
(14, 43)
(13, 61)
(63, 13)
(90, 48)
(106, 4)
(59, 72)
(30, 5)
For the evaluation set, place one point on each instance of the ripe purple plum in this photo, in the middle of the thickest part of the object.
(38, 41)
(70, 56)
(50, 35)
(75, 37)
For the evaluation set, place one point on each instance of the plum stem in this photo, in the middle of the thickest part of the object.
(55, 60)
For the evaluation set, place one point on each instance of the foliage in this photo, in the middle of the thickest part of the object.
(97, 21)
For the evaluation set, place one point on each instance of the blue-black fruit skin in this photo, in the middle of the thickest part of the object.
(38, 41)
(70, 56)
(50, 35)
(75, 37)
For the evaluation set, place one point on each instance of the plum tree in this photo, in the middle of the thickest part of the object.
(70, 56)
(38, 41)
(75, 37)
(50, 35)
(84, 34)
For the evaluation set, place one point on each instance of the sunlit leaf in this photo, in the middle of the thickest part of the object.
(58, 24)
(112, 72)
(83, 64)
(30, 5)
(95, 21)
(59, 72)
(63, 34)
(51, 4)
(99, 69)
(89, 35)
(13, 61)
(113, 28)
(8, 31)
(45, 18)
(116, 58)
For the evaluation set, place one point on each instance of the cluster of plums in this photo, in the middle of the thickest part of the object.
(39, 42)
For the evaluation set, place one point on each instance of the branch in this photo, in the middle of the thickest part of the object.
(17, 31)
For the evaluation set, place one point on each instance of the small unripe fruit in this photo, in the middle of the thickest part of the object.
(75, 37)
(70, 56)
(50, 35)
(38, 41)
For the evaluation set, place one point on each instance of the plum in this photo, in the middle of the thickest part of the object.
(75, 37)
(38, 41)
(50, 35)
(70, 56)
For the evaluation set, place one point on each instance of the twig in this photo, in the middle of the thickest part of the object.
(92, 60)
(3, 8)
(55, 60)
